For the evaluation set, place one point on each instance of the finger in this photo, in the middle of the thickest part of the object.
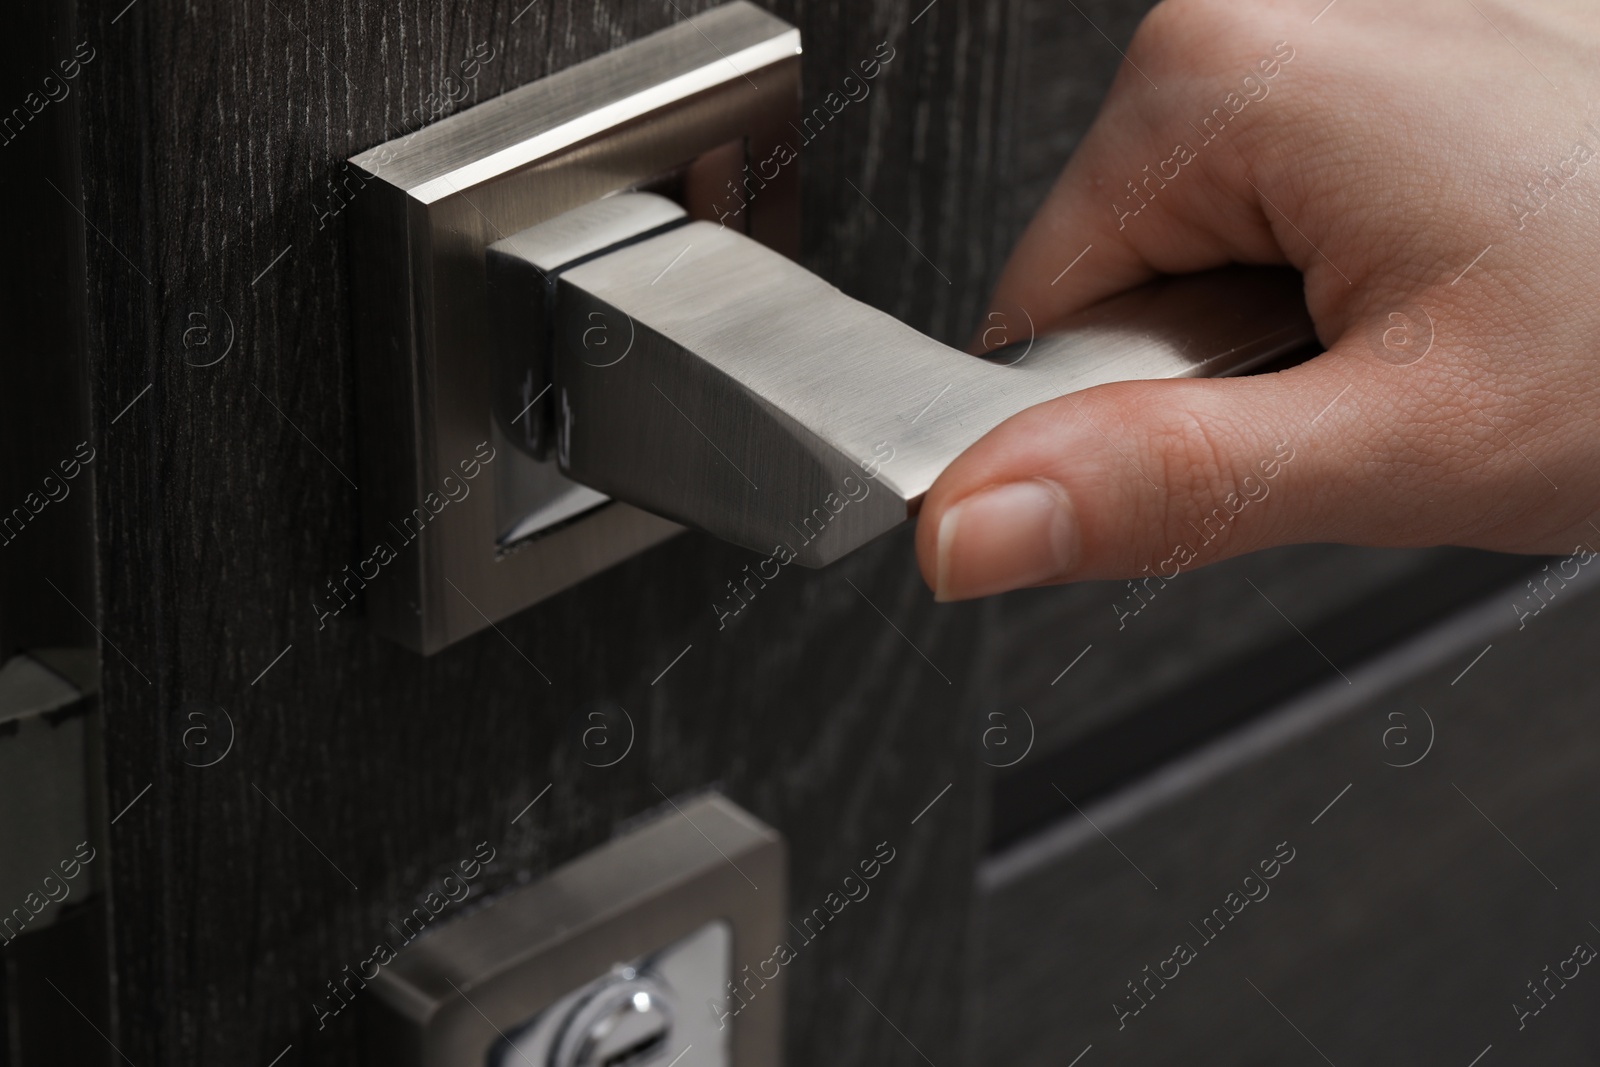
(1151, 479)
(1160, 183)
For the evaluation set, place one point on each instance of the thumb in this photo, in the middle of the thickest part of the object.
(1154, 477)
(1150, 478)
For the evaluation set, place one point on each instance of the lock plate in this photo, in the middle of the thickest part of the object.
(504, 529)
(677, 908)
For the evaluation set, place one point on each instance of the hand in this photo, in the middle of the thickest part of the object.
(1436, 178)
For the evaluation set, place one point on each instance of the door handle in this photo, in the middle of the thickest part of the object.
(702, 376)
(752, 389)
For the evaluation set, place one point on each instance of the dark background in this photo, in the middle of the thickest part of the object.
(206, 138)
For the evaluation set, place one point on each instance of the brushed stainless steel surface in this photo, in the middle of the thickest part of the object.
(544, 118)
(736, 392)
(587, 230)
(456, 996)
(627, 1026)
(605, 1022)
(521, 273)
(433, 201)
(759, 403)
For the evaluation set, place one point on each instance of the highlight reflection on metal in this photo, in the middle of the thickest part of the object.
(761, 404)
(666, 909)
(432, 201)
(647, 1012)
(691, 374)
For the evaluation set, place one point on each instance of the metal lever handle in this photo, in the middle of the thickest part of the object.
(704, 377)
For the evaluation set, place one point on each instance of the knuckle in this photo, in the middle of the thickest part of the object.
(1172, 26)
(1157, 468)
(1199, 35)
(1161, 32)
(1191, 468)
(1205, 489)
(1181, 476)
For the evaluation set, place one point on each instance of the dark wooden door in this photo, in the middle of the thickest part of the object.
(213, 144)
(843, 707)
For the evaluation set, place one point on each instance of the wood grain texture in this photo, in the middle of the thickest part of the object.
(1066, 56)
(1168, 666)
(1155, 640)
(836, 707)
(213, 139)
(1416, 908)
